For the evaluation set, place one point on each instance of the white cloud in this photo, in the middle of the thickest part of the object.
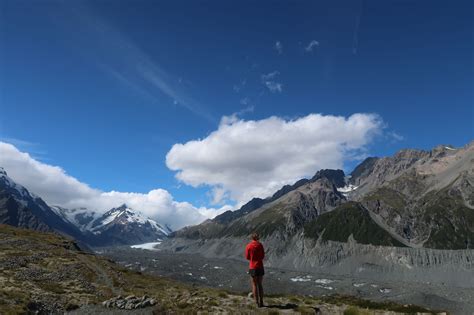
(278, 47)
(56, 187)
(311, 45)
(269, 80)
(247, 158)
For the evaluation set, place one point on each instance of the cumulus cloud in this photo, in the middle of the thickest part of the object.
(56, 187)
(311, 45)
(269, 80)
(278, 47)
(246, 158)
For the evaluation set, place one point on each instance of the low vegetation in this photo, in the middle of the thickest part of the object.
(349, 219)
(45, 273)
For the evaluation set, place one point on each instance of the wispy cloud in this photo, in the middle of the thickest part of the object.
(245, 101)
(269, 80)
(124, 61)
(311, 45)
(278, 47)
(395, 136)
(239, 86)
(33, 148)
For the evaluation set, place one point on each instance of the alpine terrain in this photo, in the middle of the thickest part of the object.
(118, 226)
(409, 217)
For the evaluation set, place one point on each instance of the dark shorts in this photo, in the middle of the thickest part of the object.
(256, 272)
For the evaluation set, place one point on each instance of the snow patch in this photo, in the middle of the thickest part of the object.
(323, 281)
(147, 246)
(325, 287)
(301, 279)
(347, 189)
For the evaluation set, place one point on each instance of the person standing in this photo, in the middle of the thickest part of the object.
(255, 254)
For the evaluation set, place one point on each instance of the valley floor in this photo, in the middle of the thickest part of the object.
(231, 275)
(43, 273)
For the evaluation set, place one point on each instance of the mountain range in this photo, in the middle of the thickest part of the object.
(416, 198)
(118, 226)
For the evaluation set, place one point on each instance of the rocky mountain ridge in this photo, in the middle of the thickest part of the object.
(415, 198)
(19, 207)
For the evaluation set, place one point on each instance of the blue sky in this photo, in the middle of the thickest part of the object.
(104, 89)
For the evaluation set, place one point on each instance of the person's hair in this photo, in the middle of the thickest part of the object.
(255, 236)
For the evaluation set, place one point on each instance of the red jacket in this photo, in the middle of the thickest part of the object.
(254, 253)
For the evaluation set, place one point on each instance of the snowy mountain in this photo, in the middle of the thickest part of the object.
(119, 226)
(124, 225)
(82, 218)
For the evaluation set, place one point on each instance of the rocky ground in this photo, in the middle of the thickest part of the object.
(41, 273)
(231, 275)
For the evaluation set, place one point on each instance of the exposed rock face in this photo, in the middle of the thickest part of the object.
(363, 170)
(429, 203)
(285, 212)
(335, 177)
(256, 203)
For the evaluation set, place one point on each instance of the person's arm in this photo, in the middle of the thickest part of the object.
(263, 253)
(247, 253)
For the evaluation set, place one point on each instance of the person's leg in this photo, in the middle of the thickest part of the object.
(255, 290)
(260, 290)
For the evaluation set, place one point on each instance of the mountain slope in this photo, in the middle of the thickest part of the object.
(430, 203)
(82, 218)
(284, 213)
(20, 208)
(349, 220)
(416, 198)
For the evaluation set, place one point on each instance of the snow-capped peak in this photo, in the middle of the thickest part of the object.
(124, 215)
(8, 182)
